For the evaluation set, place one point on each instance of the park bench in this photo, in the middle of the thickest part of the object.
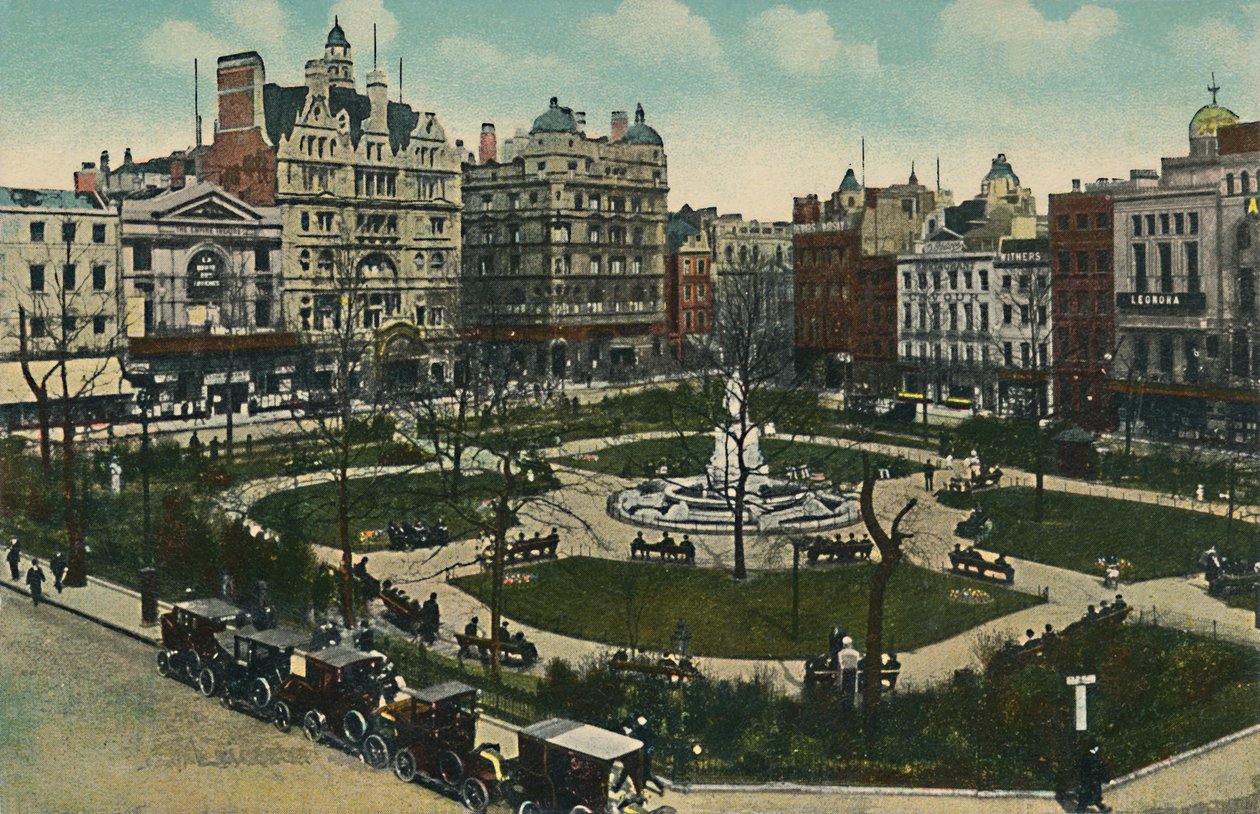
(972, 562)
(525, 652)
(838, 550)
(662, 667)
(401, 609)
(821, 671)
(666, 547)
(1110, 619)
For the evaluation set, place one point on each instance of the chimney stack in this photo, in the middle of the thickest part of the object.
(127, 156)
(240, 83)
(104, 163)
(177, 173)
(378, 97)
(620, 123)
(1076, 185)
(488, 146)
(580, 117)
(85, 178)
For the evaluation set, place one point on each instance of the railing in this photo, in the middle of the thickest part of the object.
(1191, 623)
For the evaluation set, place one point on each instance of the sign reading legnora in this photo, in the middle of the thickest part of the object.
(1165, 301)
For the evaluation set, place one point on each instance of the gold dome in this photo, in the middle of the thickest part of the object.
(1209, 119)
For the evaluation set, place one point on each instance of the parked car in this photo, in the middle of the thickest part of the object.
(251, 666)
(332, 692)
(428, 732)
(188, 635)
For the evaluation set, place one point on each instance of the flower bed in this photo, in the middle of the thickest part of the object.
(970, 596)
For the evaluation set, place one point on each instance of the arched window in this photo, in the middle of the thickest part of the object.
(304, 259)
(418, 261)
(377, 265)
(1246, 182)
(743, 253)
(205, 276)
(438, 260)
(324, 264)
(730, 253)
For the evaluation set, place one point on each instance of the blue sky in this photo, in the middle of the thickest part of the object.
(756, 101)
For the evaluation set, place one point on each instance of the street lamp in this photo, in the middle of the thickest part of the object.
(144, 400)
(681, 640)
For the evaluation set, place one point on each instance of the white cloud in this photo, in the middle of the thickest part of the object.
(357, 18)
(263, 19)
(662, 31)
(1020, 36)
(1213, 45)
(174, 43)
(805, 43)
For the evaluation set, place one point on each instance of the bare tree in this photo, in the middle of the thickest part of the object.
(62, 325)
(1022, 337)
(891, 551)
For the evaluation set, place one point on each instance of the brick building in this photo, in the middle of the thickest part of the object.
(564, 248)
(688, 283)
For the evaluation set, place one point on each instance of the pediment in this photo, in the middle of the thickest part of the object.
(214, 206)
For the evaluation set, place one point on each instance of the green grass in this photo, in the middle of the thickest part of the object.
(312, 510)
(1077, 530)
(688, 456)
(596, 599)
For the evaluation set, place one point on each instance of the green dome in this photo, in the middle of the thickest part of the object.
(850, 182)
(1001, 169)
(640, 133)
(336, 37)
(557, 119)
(1210, 117)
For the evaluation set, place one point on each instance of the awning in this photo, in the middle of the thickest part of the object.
(87, 377)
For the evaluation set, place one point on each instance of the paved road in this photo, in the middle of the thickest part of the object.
(87, 725)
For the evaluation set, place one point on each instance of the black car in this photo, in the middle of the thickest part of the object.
(251, 666)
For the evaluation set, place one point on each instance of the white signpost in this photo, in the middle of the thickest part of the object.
(1080, 683)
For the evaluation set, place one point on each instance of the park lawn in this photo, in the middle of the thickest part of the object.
(311, 511)
(596, 599)
(690, 454)
(1077, 530)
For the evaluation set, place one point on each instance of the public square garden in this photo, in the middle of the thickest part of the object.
(960, 716)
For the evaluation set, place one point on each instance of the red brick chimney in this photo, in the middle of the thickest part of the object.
(805, 210)
(85, 179)
(620, 123)
(177, 173)
(489, 147)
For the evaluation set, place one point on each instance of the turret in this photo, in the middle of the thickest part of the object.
(378, 97)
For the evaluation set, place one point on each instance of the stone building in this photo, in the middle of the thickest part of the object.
(202, 286)
(564, 249)
(59, 284)
(369, 193)
(688, 284)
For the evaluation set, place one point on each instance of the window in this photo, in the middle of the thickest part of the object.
(594, 235)
(1082, 221)
(953, 281)
(1024, 314)
(1165, 267)
(595, 265)
(1150, 224)
(984, 280)
(968, 323)
(984, 317)
(1102, 220)
(69, 325)
(1025, 354)
(1041, 315)
(907, 316)
(1166, 354)
(967, 280)
(37, 278)
(1179, 223)
(1137, 225)
(39, 327)
(1006, 282)
(1065, 262)
(69, 277)
(68, 230)
(98, 325)
(98, 278)
(1102, 263)
(953, 316)
(1193, 218)
(1191, 351)
(1163, 224)
(437, 226)
(1063, 222)
(1007, 312)
(37, 231)
(1245, 180)
(324, 220)
(262, 260)
(1008, 355)
(1193, 283)
(592, 203)
(1139, 268)
(1082, 262)
(1229, 183)
(305, 220)
(98, 233)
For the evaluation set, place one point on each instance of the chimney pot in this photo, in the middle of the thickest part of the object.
(620, 123)
(488, 148)
(127, 155)
(1076, 185)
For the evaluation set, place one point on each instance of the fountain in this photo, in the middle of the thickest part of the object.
(705, 503)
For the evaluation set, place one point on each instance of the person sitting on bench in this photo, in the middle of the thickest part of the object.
(526, 648)
(471, 631)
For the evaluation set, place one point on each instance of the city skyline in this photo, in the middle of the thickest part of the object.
(756, 102)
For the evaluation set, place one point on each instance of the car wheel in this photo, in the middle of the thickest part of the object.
(260, 693)
(528, 807)
(192, 664)
(404, 766)
(313, 725)
(375, 751)
(474, 794)
(164, 662)
(354, 726)
(282, 718)
(450, 768)
(207, 682)
(580, 810)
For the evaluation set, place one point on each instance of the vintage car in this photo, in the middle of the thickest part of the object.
(335, 687)
(188, 635)
(251, 666)
(428, 732)
(572, 767)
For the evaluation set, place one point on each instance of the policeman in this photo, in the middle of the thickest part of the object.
(35, 581)
(58, 566)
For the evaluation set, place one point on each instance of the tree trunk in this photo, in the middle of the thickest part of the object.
(76, 567)
(1038, 508)
(343, 536)
(502, 520)
(741, 495)
(40, 392)
(231, 407)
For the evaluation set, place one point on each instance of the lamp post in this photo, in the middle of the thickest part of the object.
(681, 640)
(148, 573)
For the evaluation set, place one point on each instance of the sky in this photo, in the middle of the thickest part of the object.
(756, 101)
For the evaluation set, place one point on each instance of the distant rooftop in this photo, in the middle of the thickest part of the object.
(48, 198)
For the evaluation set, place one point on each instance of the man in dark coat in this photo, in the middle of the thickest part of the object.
(929, 472)
(430, 618)
(35, 581)
(1093, 775)
(14, 557)
(58, 566)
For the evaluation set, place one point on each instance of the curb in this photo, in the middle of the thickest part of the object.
(46, 600)
(867, 791)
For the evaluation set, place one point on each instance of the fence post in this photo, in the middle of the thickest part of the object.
(1213, 629)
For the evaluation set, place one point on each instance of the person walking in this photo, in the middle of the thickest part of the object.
(35, 581)
(849, 658)
(58, 566)
(1093, 775)
(929, 472)
(14, 557)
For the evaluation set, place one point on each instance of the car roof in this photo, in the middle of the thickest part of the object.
(210, 608)
(338, 656)
(277, 637)
(583, 738)
(443, 691)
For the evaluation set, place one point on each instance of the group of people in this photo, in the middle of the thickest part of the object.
(35, 577)
(846, 660)
(473, 631)
(667, 546)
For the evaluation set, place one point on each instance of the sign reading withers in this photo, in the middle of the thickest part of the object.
(205, 276)
(1164, 302)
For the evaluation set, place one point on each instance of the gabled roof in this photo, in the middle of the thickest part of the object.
(49, 198)
(201, 200)
(284, 105)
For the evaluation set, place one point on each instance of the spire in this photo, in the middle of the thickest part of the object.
(914, 180)
(638, 114)
(1213, 88)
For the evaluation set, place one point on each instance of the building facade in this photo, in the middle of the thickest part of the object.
(688, 284)
(564, 249)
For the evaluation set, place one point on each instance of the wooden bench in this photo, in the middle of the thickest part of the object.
(971, 562)
(837, 550)
(666, 547)
(820, 670)
(402, 610)
(527, 653)
(524, 550)
(685, 670)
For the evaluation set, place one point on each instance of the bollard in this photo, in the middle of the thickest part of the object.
(148, 596)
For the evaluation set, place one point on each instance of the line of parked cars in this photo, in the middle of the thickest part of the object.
(353, 699)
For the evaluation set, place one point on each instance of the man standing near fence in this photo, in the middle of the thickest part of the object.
(847, 673)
